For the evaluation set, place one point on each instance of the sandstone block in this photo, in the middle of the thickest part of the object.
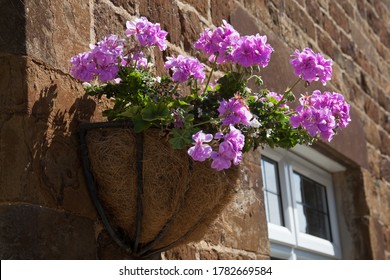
(57, 30)
(339, 16)
(129, 6)
(107, 21)
(220, 10)
(183, 252)
(35, 232)
(12, 14)
(201, 6)
(166, 13)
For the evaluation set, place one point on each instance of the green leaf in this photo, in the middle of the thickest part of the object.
(177, 103)
(189, 118)
(140, 124)
(181, 137)
(259, 81)
(130, 112)
(230, 84)
(155, 111)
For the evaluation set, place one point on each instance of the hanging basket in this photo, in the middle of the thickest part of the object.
(150, 197)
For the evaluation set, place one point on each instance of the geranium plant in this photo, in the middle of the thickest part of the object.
(214, 116)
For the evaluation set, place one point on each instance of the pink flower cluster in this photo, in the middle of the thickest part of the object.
(148, 34)
(311, 66)
(321, 113)
(102, 60)
(229, 150)
(200, 151)
(218, 42)
(234, 111)
(185, 67)
(226, 44)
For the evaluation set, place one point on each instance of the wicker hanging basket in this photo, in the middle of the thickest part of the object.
(150, 197)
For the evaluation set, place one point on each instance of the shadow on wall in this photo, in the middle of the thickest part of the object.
(56, 150)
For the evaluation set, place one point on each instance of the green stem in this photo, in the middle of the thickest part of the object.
(288, 90)
(202, 123)
(211, 73)
(175, 88)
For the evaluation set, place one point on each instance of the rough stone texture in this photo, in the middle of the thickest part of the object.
(39, 146)
(129, 6)
(184, 252)
(56, 30)
(12, 40)
(166, 13)
(107, 21)
(41, 105)
(203, 7)
(236, 234)
(221, 10)
(191, 28)
(35, 232)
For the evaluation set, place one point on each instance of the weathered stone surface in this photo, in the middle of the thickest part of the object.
(183, 252)
(339, 16)
(36, 232)
(13, 97)
(221, 10)
(239, 226)
(129, 6)
(166, 13)
(300, 17)
(56, 30)
(385, 140)
(385, 168)
(373, 159)
(12, 14)
(384, 207)
(208, 255)
(372, 194)
(107, 21)
(39, 149)
(350, 142)
(377, 238)
(191, 28)
(353, 206)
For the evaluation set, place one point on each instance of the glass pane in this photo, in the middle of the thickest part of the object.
(313, 194)
(270, 176)
(317, 224)
(312, 207)
(275, 215)
(301, 218)
(272, 198)
(266, 207)
(297, 187)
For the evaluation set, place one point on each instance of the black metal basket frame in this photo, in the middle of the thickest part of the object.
(132, 247)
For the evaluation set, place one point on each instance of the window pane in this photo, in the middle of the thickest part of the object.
(272, 198)
(275, 215)
(270, 176)
(312, 207)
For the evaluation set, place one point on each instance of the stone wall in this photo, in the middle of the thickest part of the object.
(45, 210)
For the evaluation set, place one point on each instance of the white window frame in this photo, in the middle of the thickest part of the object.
(287, 242)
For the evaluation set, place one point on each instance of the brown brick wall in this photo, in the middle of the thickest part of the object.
(41, 106)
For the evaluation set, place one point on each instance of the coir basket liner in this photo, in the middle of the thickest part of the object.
(149, 196)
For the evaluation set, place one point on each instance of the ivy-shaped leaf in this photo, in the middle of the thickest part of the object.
(181, 137)
(140, 124)
(130, 112)
(155, 111)
(230, 84)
